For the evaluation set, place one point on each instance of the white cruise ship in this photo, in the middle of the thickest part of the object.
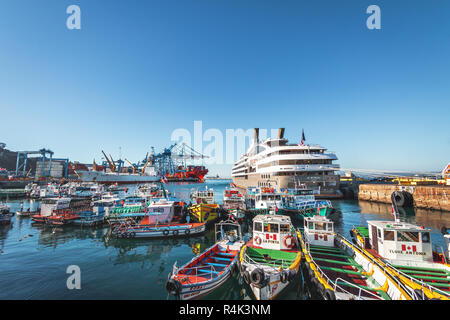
(277, 164)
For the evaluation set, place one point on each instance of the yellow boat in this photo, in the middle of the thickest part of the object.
(204, 212)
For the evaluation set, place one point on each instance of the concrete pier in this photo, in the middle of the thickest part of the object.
(424, 197)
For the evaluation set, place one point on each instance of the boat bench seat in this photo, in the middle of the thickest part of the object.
(223, 259)
(216, 264)
(207, 271)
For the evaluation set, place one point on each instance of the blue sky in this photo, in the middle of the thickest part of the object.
(137, 70)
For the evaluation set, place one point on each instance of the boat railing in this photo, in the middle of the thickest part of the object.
(361, 290)
(188, 277)
(268, 263)
(380, 264)
(323, 275)
(419, 282)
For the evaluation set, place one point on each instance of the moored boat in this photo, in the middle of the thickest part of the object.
(89, 219)
(27, 213)
(233, 199)
(406, 250)
(270, 261)
(5, 214)
(202, 196)
(212, 268)
(301, 202)
(337, 270)
(204, 212)
(129, 230)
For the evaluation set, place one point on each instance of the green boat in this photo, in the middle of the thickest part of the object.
(270, 261)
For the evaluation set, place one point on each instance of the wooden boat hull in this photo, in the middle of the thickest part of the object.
(366, 280)
(204, 212)
(428, 280)
(273, 279)
(161, 231)
(218, 263)
(26, 213)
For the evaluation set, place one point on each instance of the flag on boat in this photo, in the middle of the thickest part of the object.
(303, 138)
(409, 248)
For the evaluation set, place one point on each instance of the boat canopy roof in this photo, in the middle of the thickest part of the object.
(401, 226)
(272, 218)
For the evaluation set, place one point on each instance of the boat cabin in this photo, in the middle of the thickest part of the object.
(203, 196)
(319, 230)
(48, 205)
(268, 198)
(400, 241)
(161, 211)
(273, 232)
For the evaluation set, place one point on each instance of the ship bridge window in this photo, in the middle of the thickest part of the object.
(321, 225)
(258, 226)
(310, 225)
(389, 235)
(330, 227)
(408, 236)
(284, 228)
(425, 237)
(271, 227)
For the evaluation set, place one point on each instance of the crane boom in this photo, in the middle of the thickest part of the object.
(134, 168)
(111, 165)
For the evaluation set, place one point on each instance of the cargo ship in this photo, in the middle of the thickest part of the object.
(189, 173)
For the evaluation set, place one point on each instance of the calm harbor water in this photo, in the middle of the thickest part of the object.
(34, 259)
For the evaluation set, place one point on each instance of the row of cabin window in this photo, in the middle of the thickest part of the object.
(320, 226)
(271, 227)
(404, 236)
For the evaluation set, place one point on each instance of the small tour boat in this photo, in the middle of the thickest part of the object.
(267, 200)
(407, 251)
(337, 270)
(130, 230)
(5, 214)
(270, 261)
(61, 217)
(212, 268)
(233, 199)
(48, 206)
(202, 196)
(204, 212)
(302, 203)
(89, 219)
(27, 213)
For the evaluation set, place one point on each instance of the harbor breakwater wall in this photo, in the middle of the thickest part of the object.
(424, 197)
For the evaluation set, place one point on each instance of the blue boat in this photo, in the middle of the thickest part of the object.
(90, 219)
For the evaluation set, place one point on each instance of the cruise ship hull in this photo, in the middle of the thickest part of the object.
(280, 182)
(119, 178)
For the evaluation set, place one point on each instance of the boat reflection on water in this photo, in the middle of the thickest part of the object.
(50, 236)
(428, 218)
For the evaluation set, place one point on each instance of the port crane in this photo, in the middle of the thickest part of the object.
(173, 159)
(170, 162)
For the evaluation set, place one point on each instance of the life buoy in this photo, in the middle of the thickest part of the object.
(257, 240)
(187, 231)
(175, 232)
(289, 244)
(165, 232)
